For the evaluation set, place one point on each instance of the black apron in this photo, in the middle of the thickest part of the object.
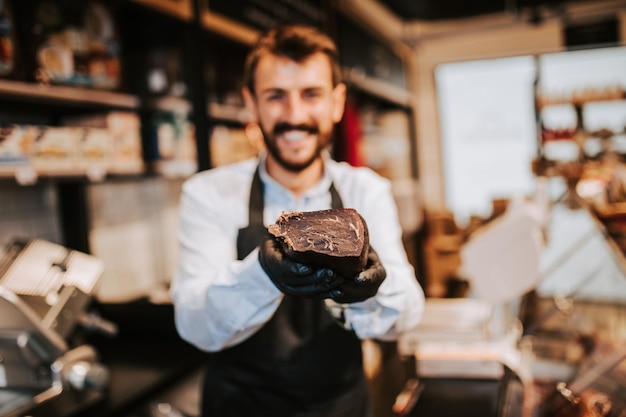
(299, 364)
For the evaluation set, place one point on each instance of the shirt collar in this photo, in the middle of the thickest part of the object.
(322, 186)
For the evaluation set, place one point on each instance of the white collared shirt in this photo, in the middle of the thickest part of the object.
(220, 301)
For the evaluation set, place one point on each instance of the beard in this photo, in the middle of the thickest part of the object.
(273, 149)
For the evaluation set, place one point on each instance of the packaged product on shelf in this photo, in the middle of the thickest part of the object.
(116, 135)
(95, 144)
(165, 72)
(173, 150)
(7, 40)
(55, 149)
(103, 63)
(81, 52)
(14, 146)
(126, 154)
(231, 145)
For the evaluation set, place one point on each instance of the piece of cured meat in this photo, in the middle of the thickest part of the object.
(333, 238)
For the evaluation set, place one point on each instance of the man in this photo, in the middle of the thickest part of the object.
(285, 338)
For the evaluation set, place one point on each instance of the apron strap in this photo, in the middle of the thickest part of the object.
(335, 199)
(255, 208)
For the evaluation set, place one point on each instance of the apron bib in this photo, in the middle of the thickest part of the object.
(299, 364)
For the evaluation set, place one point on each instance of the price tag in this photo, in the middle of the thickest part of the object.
(96, 173)
(26, 175)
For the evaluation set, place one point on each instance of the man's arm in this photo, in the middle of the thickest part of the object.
(399, 302)
(218, 300)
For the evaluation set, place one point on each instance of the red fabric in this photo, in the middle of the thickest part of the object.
(348, 144)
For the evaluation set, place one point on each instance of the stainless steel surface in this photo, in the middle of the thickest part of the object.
(45, 289)
(42, 268)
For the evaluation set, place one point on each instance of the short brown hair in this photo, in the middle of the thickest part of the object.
(296, 42)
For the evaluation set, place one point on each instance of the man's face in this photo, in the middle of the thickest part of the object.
(296, 106)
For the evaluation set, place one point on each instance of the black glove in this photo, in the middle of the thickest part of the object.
(365, 284)
(295, 278)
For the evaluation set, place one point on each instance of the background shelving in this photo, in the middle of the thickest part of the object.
(181, 65)
(55, 94)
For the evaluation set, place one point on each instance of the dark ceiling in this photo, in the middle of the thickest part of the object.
(432, 10)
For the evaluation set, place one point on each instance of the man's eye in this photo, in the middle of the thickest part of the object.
(313, 94)
(274, 97)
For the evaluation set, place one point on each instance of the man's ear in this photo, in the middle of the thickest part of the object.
(339, 101)
(250, 103)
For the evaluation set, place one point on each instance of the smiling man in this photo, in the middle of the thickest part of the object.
(284, 338)
(297, 99)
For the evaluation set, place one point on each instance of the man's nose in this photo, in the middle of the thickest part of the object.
(296, 110)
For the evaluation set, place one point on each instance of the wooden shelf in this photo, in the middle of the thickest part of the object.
(180, 9)
(228, 112)
(229, 28)
(600, 97)
(378, 88)
(169, 104)
(27, 173)
(63, 94)
(175, 169)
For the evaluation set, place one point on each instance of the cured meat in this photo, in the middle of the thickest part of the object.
(333, 238)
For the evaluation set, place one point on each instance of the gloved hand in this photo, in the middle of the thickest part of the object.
(365, 284)
(295, 278)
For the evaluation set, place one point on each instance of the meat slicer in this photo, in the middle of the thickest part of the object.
(45, 291)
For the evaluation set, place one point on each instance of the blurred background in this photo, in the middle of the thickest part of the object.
(500, 123)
